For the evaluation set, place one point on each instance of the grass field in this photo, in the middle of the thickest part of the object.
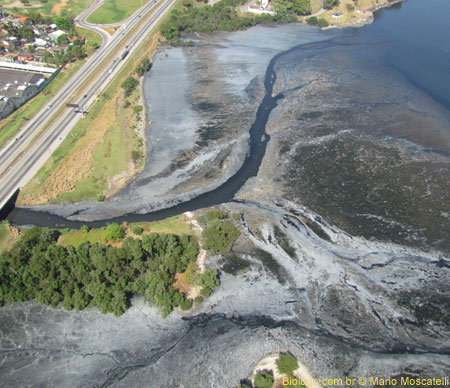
(114, 11)
(48, 8)
(92, 38)
(173, 225)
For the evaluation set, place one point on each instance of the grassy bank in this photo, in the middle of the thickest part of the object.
(115, 11)
(175, 225)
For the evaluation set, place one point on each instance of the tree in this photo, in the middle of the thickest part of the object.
(114, 232)
(299, 7)
(219, 236)
(286, 363)
(264, 379)
(129, 85)
(64, 23)
(62, 39)
(27, 33)
(328, 4)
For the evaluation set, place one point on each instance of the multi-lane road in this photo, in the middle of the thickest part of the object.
(22, 157)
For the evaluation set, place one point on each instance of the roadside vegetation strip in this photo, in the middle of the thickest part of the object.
(114, 11)
(70, 177)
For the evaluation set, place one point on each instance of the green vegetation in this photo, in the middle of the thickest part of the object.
(287, 363)
(114, 232)
(328, 4)
(36, 268)
(284, 242)
(219, 234)
(264, 379)
(48, 8)
(175, 225)
(350, 7)
(7, 238)
(114, 11)
(221, 16)
(129, 85)
(137, 230)
(208, 280)
(299, 7)
(145, 66)
(91, 38)
(321, 22)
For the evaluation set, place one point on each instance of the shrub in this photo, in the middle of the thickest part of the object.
(312, 21)
(186, 304)
(328, 4)
(100, 198)
(286, 363)
(219, 236)
(205, 291)
(350, 7)
(264, 379)
(137, 230)
(135, 155)
(236, 217)
(138, 109)
(129, 85)
(198, 299)
(114, 232)
(215, 214)
(126, 104)
(84, 229)
(322, 22)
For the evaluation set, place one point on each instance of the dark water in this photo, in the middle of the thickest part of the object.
(415, 36)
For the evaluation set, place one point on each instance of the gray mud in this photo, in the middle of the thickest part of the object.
(346, 308)
(202, 102)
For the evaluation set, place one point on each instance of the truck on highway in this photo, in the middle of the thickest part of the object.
(124, 54)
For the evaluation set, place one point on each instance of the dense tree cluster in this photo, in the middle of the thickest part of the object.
(36, 268)
(220, 16)
(22, 32)
(299, 7)
(219, 234)
(328, 4)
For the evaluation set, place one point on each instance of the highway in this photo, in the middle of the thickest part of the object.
(22, 157)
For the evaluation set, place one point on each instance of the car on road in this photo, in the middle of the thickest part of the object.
(50, 106)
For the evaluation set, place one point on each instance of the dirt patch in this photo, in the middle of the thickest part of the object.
(57, 8)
